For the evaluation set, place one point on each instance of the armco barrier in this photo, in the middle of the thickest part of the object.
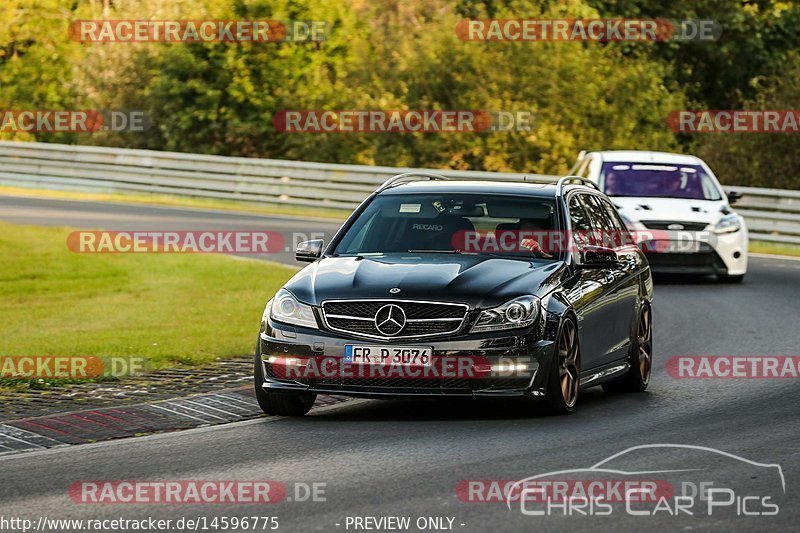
(772, 214)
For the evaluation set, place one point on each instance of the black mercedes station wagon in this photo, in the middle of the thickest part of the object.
(436, 287)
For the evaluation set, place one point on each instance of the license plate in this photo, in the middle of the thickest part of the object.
(388, 355)
(676, 247)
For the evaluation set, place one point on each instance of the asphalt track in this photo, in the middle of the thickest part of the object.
(406, 458)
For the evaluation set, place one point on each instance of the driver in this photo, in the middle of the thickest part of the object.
(611, 184)
(527, 226)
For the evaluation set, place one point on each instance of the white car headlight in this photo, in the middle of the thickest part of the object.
(517, 313)
(285, 308)
(728, 224)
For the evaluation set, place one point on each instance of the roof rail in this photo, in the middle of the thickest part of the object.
(566, 180)
(406, 177)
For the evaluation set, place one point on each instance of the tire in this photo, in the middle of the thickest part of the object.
(281, 403)
(563, 382)
(640, 357)
(732, 279)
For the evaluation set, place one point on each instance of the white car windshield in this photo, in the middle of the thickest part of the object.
(652, 180)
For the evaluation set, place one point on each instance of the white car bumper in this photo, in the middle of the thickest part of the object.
(702, 252)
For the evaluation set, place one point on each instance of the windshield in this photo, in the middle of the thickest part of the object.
(451, 223)
(658, 181)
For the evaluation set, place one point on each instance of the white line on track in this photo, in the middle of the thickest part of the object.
(179, 414)
(776, 257)
(174, 434)
(212, 407)
(231, 396)
(32, 444)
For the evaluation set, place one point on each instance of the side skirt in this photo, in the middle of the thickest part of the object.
(598, 375)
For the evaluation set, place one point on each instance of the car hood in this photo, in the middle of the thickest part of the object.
(669, 209)
(479, 281)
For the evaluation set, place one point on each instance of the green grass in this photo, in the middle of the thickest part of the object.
(774, 248)
(180, 201)
(172, 309)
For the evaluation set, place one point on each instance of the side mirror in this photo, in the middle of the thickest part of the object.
(309, 251)
(734, 197)
(598, 257)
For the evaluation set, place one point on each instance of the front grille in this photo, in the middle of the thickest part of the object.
(662, 225)
(357, 317)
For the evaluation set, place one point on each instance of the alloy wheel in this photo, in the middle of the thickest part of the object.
(644, 335)
(569, 371)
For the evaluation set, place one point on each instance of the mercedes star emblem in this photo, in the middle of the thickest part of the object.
(394, 290)
(390, 319)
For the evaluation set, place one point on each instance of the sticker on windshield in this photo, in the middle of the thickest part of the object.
(410, 208)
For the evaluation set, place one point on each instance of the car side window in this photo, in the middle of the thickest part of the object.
(617, 222)
(597, 213)
(581, 224)
(577, 214)
(604, 229)
(623, 236)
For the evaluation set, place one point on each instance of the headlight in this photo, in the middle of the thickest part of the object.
(728, 224)
(285, 308)
(517, 313)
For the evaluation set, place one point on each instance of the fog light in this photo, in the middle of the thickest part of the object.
(286, 361)
(515, 368)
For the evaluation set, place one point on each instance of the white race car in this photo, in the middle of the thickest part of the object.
(676, 201)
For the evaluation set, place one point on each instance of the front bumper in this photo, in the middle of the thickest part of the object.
(723, 254)
(281, 340)
(705, 261)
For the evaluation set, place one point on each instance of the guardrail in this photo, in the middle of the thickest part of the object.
(772, 214)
